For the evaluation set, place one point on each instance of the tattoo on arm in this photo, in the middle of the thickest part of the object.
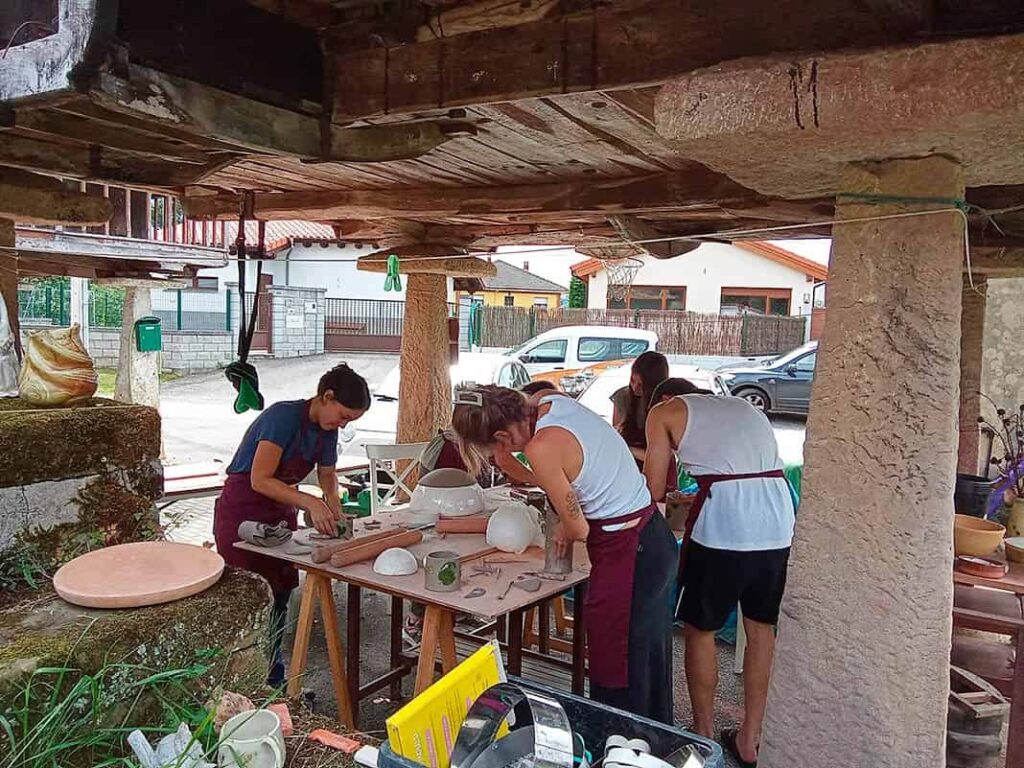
(572, 505)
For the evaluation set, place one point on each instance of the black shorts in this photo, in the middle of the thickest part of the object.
(715, 580)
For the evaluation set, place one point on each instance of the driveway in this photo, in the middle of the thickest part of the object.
(199, 424)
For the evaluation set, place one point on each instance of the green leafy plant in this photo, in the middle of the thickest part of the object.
(577, 293)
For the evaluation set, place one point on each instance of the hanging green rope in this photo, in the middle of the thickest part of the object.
(392, 282)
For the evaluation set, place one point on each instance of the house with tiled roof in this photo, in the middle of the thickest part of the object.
(514, 286)
(720, 278)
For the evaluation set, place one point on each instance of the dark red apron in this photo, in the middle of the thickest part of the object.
(704, 483)
(610, 596)
(238, 502)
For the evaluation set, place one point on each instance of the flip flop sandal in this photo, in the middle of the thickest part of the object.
(728, 741)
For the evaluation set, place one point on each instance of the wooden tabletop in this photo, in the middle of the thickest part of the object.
(1013, 581)
(412, 587)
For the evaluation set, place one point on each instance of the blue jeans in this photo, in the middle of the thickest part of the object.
(278, 617)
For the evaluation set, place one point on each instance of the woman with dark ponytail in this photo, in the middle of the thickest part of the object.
(285, 443)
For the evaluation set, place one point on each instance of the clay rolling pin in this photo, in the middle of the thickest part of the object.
(462, 525)
(371, 549)
(322, 552)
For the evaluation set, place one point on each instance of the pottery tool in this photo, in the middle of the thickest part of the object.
(369, 550)
(475, 524)
(475, 592)
(547, 576)
(478, 555)
(523, 582)
(323, 550)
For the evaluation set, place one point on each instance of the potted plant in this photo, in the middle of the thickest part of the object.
(1007, 430)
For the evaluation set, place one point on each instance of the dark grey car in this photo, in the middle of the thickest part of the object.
(779, 385)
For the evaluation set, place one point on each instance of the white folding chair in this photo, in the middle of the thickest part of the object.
(385, 458)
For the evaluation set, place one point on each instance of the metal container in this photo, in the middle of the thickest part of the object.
(536, 498)
(443, 572)
(552, 562)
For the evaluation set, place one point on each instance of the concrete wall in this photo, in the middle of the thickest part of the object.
(705, 271)
(184, 351)
(299, 315)
(1003, 360)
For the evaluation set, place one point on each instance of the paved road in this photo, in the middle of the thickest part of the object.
(199, 423)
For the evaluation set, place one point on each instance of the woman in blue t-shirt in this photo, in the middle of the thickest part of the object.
(278, 451)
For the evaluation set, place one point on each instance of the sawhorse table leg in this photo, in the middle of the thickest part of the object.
(318, 587)
(438, 631)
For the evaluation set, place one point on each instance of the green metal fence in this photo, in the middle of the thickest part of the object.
(49, 303)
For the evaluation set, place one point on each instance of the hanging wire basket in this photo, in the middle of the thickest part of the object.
(621, 274)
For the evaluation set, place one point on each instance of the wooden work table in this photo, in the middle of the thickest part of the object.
(441, 609)
(1013, 582)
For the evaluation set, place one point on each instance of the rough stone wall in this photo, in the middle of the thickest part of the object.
(1003, 357)
(217, 639)
(299, 315)
(861, 673)
(75, 478)
(183, 352)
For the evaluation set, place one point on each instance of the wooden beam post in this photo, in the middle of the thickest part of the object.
(972, 337)
(425, 390)
(30, 198)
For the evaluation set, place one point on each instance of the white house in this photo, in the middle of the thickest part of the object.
(715, 278)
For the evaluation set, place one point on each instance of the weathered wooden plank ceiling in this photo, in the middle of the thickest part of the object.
(376, 116)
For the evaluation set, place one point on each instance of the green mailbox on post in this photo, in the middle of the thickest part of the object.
(147, 334)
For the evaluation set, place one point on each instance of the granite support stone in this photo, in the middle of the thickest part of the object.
(861, 673)
(138, 373)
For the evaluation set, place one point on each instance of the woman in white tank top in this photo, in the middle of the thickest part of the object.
(592, 481)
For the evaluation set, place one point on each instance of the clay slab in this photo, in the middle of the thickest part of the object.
(134, 575)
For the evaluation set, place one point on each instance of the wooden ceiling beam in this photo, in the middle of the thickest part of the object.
(96, 163)
(29, 198)
(86, 131)
(633, 230)
(697, 186)
(428, 259)
(608, 47)
(265, 128)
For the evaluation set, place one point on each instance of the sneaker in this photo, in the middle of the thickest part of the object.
(412, 630)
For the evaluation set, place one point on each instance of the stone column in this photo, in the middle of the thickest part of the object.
(972, 334)
(138, 373)
(10, 327)
(425, 396)
(861, 672)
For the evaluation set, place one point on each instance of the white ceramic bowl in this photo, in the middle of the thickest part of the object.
(447, 492)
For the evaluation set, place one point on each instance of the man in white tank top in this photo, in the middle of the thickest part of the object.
(737, 547)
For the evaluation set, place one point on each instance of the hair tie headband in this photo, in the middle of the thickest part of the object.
(466, 396)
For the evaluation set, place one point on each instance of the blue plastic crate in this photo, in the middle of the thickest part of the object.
(595, 722)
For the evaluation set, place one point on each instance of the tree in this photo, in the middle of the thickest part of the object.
(577, 293)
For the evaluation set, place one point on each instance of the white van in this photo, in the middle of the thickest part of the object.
(563, 352)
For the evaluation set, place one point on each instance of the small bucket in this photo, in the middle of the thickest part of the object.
(970, 497)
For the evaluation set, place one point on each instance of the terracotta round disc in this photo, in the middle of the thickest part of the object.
(133, 575)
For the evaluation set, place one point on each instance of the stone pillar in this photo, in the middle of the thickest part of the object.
(972, 334)
(138, 373)
(10, 328)
(861, 672)
(80, 307)
(425, 394)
